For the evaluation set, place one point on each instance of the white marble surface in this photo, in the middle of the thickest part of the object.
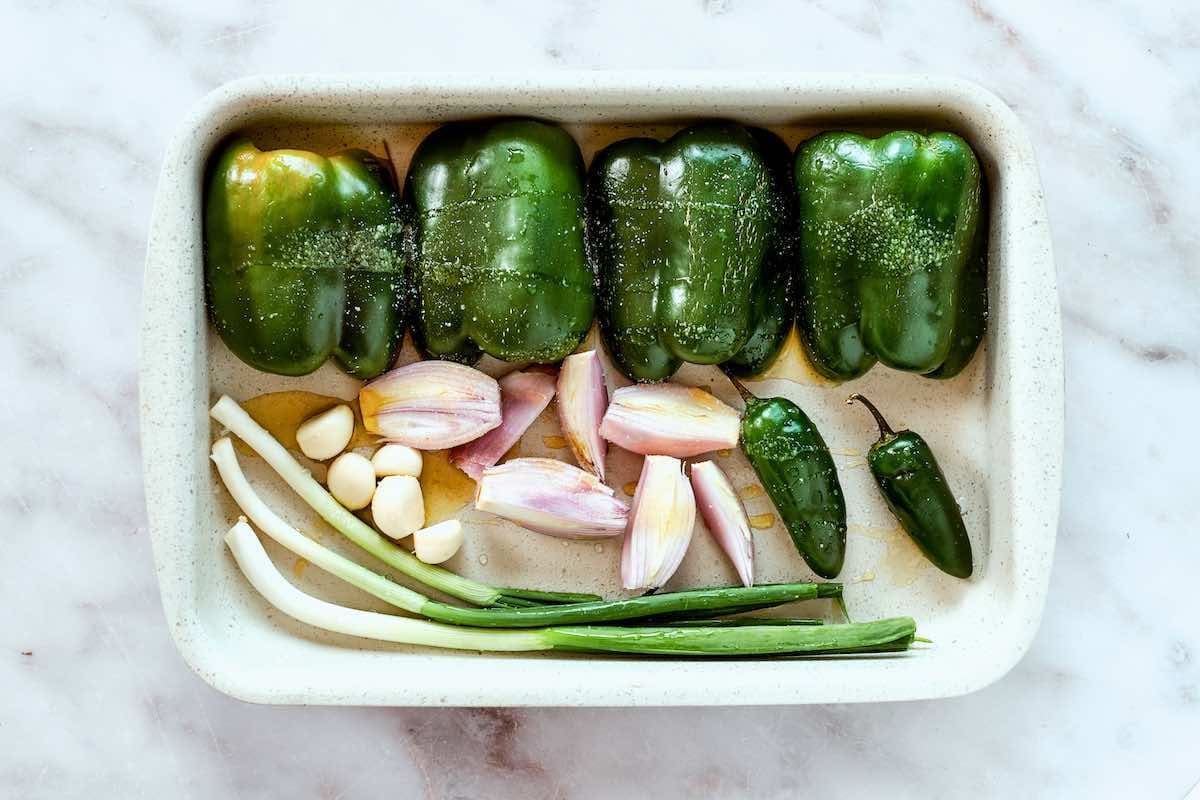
(95, 701)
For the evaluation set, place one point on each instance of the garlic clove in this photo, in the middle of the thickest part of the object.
(351, 480)
(660, 524)
(397, 459)
(398, 507)
(523, 396)
(439, 542)
(325, 435)
(582, 400)
(551, 497)
(669, 419)
(725, 517)
(431, 405)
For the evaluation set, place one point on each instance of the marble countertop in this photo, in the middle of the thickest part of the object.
(96, 702)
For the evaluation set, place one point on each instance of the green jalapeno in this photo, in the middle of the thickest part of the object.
(917, 493)
(795, 467)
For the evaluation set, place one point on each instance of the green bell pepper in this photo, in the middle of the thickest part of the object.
(499, 263)
(693, 241)
(304, 259)
(892, 250)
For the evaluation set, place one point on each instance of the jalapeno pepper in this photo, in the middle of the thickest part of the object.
(917, 493)
(795, 467)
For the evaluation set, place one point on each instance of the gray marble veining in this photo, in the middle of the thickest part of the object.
(96, 702)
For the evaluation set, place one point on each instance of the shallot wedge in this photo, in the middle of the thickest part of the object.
(660, 524)
(670, 420)
(551, 497)
(582, 400)
(523, 395)
(431, 405)
(725, 517)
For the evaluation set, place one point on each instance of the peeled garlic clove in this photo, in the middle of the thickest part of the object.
(523, 396)
(439, 542)
(397, 459)
(351, 480)
(660, 524)
(669, 419)
(724, 517)
(582, 399)
(398, 507)
(551, 497)
(326, 434)
(431, 405)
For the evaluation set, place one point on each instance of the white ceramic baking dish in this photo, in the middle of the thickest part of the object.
(997, 427)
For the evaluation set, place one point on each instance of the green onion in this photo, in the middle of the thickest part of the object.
(738, 622)
(882, 636)
(696, 603)
(548, 597)
(234, 417)
(865, 637)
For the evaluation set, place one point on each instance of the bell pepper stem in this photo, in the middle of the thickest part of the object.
(885, 430)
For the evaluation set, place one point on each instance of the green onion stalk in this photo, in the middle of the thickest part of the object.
(888, 635)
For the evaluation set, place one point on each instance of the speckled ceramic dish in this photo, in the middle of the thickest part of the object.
(997, 427)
